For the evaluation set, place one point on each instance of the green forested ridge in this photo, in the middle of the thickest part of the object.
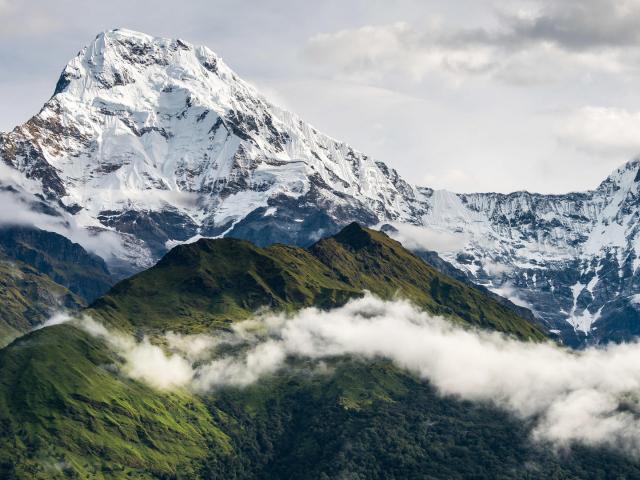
(212, 282)
(369, 420)
(66, 412)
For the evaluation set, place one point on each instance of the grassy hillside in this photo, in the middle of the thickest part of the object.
(42, 273)
(28, 297)
(64, 412)
(211, 283)
(370, 260)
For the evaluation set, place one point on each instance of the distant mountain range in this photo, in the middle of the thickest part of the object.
(150, 142)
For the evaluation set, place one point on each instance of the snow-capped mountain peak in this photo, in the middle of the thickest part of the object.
(141, 124)
(156, 141)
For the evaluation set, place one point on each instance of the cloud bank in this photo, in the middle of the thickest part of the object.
(568, 37)
(509, 292)
(588, 396)
(144, 361)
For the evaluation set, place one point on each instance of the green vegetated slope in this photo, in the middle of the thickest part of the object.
(369, 420)
(28, 297)
(67, 412)
(65, 262)
(42, 273)
(213, 282)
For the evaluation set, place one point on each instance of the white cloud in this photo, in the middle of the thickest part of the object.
(18, 210)
(151, 364)
(510, 293)
(193, 347)
(495, 269)
(263, 359)
(424, 238)
(397, 50)
(544, 41)
(577, 24)
(400, 52)
(588, 396)
(142, 360)
(55, 319)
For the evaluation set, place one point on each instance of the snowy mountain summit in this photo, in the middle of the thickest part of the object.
(158, 138)
(148, 142)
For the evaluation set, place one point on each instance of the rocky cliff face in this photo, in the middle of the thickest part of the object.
(150, 142)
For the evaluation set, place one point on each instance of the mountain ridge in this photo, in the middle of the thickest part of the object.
(155, 142)
(218, 281)
(43, 274)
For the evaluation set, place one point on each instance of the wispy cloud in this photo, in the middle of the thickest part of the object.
(587, 396)
(55, 319)
(575, 24)
(425, 238)
(21, 207)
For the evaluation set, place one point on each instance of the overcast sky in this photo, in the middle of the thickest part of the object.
(468, 95)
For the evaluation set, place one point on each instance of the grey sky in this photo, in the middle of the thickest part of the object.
(465, 95)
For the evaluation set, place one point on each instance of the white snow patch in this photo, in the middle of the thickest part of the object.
(269, 212)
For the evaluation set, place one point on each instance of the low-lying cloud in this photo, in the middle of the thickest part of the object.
(55, 319)
(143, 360)
(588, 396)
(23, 207)
(416, 237)
(509, 292)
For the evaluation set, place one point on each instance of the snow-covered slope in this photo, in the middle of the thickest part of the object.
(573, 259)
(160, 139)
(148, 142)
